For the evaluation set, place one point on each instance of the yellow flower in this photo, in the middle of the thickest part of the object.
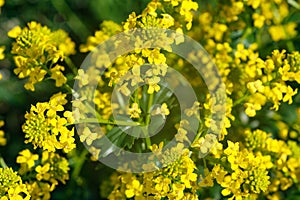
(206, 181)
(173, 2)
(134, 111)
(258, 20)
(204, 144)
(124, 89)
(153, 84)
(108, 28)
(2, 2)
(254, 3)
(186, 8)
(58, 76)
(218, 31)
(2, 55)
(2, 138)
(289, 93)
(282, 32)
(27, 158)
(53, 168)
(194, 110)
(88, 137)
(133, 188)
(162, 110)
(255, 86)
(42, 172)
(232, 148)
(13, 33)
(251, 109)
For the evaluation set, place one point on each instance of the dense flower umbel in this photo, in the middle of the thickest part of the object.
(44, 128)
(37, 50)
(175, 181)
(11, 186)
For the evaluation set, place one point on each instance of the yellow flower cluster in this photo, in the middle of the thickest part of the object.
(175, 181)
(273, 13)
(245, 171)
(130, 70)
(241, 66)
(283, 154)
(108, 28)
(270, 84)
(11, 186)
(37, 52)
(240, 160)
(46, 129)
(45, 174)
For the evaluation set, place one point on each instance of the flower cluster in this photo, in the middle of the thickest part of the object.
(37, 52)
(11, 185)
(44, 128)
(175, 181)
(43, 174)
(252, 152)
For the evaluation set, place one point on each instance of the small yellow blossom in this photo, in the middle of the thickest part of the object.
(258, 20)
(162, 110)
(2, 2)
(134, 111)
(58, 76)
(27, 158)
(2, 138)
(2, 55)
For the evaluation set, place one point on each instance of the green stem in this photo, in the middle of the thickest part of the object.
(198, 135)
(68, 88)
(79, 164)
(241, 100)
(2, 163)
(290, 46)
(246, 33)
(204, 163)
(150, 102)
(106, 121)
(71, 65)
(148, 118)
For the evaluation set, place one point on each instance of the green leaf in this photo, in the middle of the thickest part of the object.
(117, 136)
